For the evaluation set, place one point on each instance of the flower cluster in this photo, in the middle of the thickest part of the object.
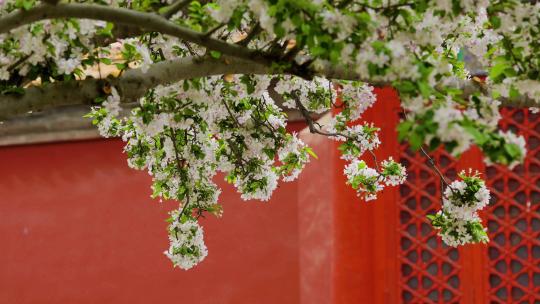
(365, 180)
(316, 96)
(355, 98)
(358, 98)
(368, 181)
(517, 146)
(294, 156)
(458, 221)
(394, 173)
(187, 247)
(184, 134)
(357, 140)
(59, 46)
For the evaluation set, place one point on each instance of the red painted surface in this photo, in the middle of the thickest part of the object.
(365, 238)
(316, 201)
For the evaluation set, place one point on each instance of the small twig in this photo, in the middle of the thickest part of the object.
(180, 166)
(344, 4)
(374, 160)
(18, 62)
(175, 8)
(432, 163)
(311, 123)
(177, 155)
(268, 125)
(200, 213)
(99, 70)
(231, 114)
(189, 48)
(184, 207)
(213, 30)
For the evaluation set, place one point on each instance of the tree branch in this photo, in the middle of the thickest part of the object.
(175, 8)
(131, 85)
(134, 83)
(472, 86)
(148, 21)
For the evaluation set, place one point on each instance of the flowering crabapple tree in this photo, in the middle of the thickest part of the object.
(208, 82)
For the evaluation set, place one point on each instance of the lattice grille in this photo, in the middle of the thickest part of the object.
(429, 269)
(514, 219)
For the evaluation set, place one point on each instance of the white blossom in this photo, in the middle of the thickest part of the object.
(187, 247)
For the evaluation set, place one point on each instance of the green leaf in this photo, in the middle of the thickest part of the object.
(512, 150)
(498, 69)
(479, 137)
(310, 152)
(495, 21)
(514, 93)
(434, 143)
(415, 141)
(107, 30)
(105, 61)
(425, 89)
(24, 4)
(215, 54)
(406, 86)
(403, 129)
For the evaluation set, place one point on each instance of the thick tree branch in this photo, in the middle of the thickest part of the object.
(131, 85)
(134, 83)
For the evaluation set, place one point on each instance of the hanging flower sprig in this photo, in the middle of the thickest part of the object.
(458, 221)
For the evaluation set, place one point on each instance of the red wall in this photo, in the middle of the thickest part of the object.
(78, 226)
(366, 267)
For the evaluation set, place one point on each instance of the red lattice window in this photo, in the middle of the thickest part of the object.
(510, 265)
(514, 219)
(429, 269)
